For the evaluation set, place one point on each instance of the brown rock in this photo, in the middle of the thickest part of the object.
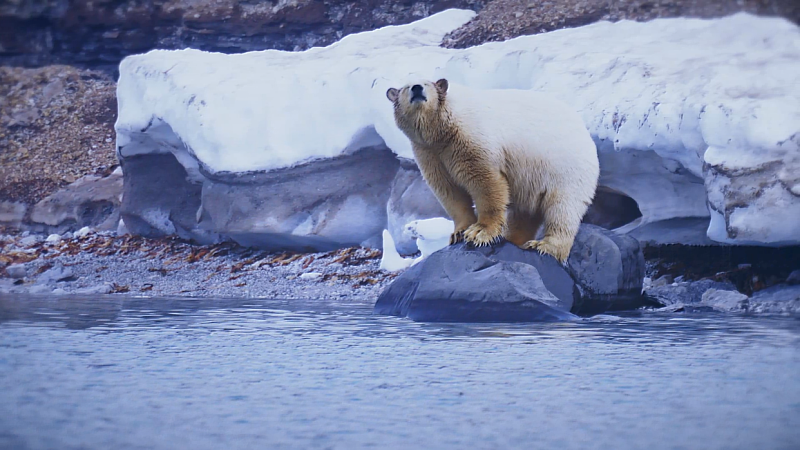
(501, 20)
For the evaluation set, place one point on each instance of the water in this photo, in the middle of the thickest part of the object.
(242, 374)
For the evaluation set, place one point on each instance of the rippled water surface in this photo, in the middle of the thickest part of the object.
(244, 374)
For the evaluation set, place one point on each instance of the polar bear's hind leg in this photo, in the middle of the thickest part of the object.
(562, 219)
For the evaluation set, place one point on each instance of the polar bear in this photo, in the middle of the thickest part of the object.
(523, 158)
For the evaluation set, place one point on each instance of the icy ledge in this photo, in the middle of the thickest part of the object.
(697, 121)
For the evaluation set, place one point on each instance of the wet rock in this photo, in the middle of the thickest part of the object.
(506, 283)
(608, 268)
(687, 292)
(39, 289)
(6, 286)
(104, 288)
(55, 274)
(723, 300)
(17, 271)
(53, 238)
(458, 284)
(662, 281)
(781, 298)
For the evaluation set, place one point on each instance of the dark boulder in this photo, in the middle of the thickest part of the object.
(461, 284)
(504, 283)
(609, 269)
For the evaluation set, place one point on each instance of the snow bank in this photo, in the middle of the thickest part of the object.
(693, 118)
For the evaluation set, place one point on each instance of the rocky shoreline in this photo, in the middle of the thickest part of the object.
(100, 263)
(96, 263)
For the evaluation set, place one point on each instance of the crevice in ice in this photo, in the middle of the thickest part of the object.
(159, 137)
(612, 209)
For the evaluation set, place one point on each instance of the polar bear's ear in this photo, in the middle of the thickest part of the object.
(442, 85)
(392, 94)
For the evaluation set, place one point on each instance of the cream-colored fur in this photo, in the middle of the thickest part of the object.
(523, 158)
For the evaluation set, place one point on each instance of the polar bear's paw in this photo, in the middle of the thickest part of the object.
(456, 237)
(548, 248)
(480, 235)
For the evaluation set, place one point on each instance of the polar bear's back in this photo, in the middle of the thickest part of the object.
(543, 125)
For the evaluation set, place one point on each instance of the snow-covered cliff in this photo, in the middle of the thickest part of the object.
(697, 121)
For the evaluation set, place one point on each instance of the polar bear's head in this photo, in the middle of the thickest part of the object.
(417, 106)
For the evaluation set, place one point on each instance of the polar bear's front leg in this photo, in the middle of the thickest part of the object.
(490, 192)
(458, 204)
(455, 200)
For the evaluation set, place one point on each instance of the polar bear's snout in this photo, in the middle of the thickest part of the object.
(417, 93)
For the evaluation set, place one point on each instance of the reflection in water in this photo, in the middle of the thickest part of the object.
(217, 373)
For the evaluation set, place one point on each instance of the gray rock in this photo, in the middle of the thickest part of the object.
(506, 283)
(726, 301)
(29, 240)
(662, 281)
(793, 278)
(90, 201)
(17, 271)
(24, 116)
(104, 288)
(55, 274)
(59, 291)
(608, 268)
(12, 213)
(39, 289)
(781, 298)
(458, 284)
(687, 292)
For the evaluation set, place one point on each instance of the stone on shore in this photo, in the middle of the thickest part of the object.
(16, 271)
(504, 283)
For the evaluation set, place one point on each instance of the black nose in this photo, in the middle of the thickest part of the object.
(416, 89)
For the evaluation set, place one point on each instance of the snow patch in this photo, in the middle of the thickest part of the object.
(430, 235)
